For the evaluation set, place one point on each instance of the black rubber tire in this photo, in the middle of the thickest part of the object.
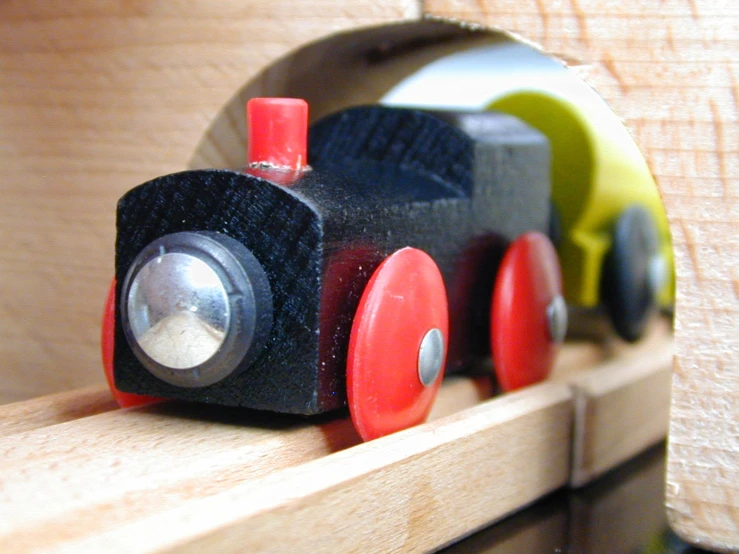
(626, 289)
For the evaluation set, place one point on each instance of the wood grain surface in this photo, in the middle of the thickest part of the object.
(669, 69)
(124, 479)
(621, 408)
(141, 480)
(55, 408)
(96, 97)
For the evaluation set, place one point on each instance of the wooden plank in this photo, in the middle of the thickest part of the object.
(115, 477)
(621, 401)
(55, 408)
(105, 473)
(422, 488)
(621, 408)
(107, 469)
(122, 464)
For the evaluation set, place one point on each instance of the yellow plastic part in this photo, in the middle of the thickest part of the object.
(597, 172)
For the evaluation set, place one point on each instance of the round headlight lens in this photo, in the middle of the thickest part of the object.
(178, 310)
(195, 308)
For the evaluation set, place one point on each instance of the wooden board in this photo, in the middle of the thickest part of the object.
(621, 408)
(96, 97)
(177, 477)
(55, 408)
(154, 478)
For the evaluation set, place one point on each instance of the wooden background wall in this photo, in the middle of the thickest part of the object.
(97, 96)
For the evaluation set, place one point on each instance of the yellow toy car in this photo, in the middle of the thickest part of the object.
(615, 247)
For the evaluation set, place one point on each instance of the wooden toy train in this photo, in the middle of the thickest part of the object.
(413, 243)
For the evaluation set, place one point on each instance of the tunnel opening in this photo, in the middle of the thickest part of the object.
(607, 218)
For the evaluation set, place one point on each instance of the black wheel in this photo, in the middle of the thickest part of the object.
(630, 282)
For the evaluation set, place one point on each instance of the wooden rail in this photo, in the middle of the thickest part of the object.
(77, 475)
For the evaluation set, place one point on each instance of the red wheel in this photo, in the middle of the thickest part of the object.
(398, 345)
(528, 317)
(124, 399)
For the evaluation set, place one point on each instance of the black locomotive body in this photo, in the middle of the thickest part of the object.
(459, 186)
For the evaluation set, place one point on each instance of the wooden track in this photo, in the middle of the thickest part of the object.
(173, 477)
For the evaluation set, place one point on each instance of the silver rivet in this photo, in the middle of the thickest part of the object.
(431, 356)
(557, 318)
(178, 310)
